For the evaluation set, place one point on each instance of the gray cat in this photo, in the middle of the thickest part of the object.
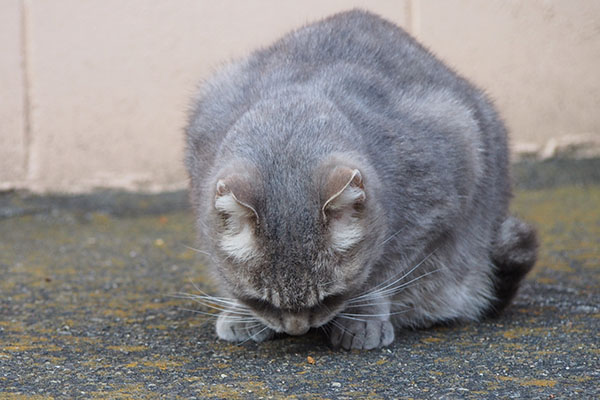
(345, 178)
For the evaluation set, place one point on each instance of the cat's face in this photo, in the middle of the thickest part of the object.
(293, 259)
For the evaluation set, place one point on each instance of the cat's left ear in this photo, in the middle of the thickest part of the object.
(234, 197)
(344, 192)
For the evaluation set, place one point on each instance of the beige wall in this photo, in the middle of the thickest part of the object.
(13, 138)
(93, 93)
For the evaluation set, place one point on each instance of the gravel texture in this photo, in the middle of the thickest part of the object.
(86, 311)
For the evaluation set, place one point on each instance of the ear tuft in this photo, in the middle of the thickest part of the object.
(345, 193)
(221, 187)
(344, 189)
(233, 198)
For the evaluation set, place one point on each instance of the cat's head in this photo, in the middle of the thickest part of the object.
(294, 248)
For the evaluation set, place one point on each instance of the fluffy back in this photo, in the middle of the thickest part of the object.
(309, 156)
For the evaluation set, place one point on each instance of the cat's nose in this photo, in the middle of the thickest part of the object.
(295, 325)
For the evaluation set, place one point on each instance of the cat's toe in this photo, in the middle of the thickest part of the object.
(375, 334)
(363, 335)
(234, 331)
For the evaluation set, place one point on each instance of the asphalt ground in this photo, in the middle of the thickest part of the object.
(86, 310)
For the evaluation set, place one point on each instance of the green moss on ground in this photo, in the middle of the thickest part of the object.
(86, 311)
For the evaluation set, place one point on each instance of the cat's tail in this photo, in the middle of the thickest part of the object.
(514, 254)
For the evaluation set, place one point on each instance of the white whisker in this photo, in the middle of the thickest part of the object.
(338, 325)
(212, 315)
(254, 335)
(398, 289)
(368, 303)
(198, 250)
(349, 317)
(392, 236)
(326, 329)
(198, 289)
(374, 315)
(219, 307)
(377, 290)
(239, 320)
(212, 300)
(217, 315)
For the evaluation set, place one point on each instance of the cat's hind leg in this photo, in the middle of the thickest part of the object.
(513, 255)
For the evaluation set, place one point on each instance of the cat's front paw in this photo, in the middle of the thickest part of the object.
(364, 335)
(234, 331)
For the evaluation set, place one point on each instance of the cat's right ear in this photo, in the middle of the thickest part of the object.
(343, 190)
(344, 197)
(233, 197)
